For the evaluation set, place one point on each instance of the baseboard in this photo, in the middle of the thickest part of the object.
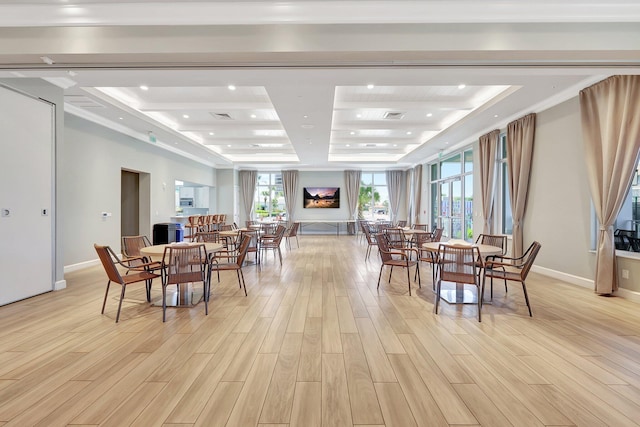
(81, 265)
(627, 294)
(60, 284)
(565, 277)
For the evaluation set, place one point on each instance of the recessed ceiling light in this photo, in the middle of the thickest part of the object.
(495, 115)
(462, 86)
(429, 114)
(369, 86)
(352, 133)
(409, 132)
(359, 116)
(228, 145)
(348, 145)
(395, 145)
(253, 116)
(186, 116)
(121, 118)
(231, 87)
(305, 116)
(175, 143)
(143, 87)
(446, 142)
(211, 133)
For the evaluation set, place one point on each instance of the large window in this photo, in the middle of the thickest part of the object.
(627, 224)
(452, 195)
(269, 196)
(373, 201)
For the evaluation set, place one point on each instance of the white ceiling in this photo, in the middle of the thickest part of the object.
(441, 73)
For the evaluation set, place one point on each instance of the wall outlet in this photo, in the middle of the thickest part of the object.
(625, 274)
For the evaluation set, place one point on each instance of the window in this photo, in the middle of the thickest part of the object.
(503, 199)
(452, 195)
(373, 201)
(628, 219)
(269, 196)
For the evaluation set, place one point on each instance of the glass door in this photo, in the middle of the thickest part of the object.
(451, 209)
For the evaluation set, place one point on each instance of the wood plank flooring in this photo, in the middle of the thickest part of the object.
(316, 344)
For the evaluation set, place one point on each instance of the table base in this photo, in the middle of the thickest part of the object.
(458, 293)
(186, 296)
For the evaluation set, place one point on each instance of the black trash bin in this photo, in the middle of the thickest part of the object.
(164, 232)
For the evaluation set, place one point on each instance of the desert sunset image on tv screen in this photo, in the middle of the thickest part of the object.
(321, 197)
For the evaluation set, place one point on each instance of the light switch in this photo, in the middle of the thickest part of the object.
(6, 212)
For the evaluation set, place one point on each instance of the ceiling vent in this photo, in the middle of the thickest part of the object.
(82, 101)
(370, 145)
(393, 115)
(222, 116)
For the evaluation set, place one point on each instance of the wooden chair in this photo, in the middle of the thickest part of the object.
(436, 234)
(425, 255)
(131, 246)
(109, 260)
(207, 236)
(184, 265)
(272, 241)
(234, 262)
(499, 241)
(621, 239)
(192, 226)
(253, 242)
(371, 239)
(458, 264)
(292, 231)
(422, 227)
(402, 223)
(398, 257)
(513, 269)
(395, 238)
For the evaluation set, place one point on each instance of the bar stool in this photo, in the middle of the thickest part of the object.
(192, 226)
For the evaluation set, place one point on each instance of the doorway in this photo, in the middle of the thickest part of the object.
(135, 203)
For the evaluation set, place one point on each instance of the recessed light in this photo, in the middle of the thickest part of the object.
(395, 145)
(462, 86)
(121, 118)
(228, 145)
(409, 132)
(253, 116)
(359, 116)
(348, 145)
(231, 87)
(352, 133)
(143, 87)
(369, 86)
(211, 133)
(186, 116)
(446, 143)
(495, 115)
(175, 143)
(305, 116)
(429, 114)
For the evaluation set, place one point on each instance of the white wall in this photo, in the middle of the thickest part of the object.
(227, 180)
(90, 184)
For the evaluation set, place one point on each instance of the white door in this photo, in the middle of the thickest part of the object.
(26, 164)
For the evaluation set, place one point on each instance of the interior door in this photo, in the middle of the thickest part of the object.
(27, 136)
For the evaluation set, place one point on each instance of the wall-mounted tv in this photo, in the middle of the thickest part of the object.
(321, 197)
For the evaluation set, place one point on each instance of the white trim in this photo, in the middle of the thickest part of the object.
(81, 265)
(565, 277)
(627, 294)
(60, 284)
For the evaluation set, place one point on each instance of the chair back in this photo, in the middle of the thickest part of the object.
(383, 247)
(253, 239)
(208, 236)
(222, 218)
(131, 245)
(249, 223)
(226, 227)
(458, 263)
(420, 238)
(493, 240)
(395, 237)
(635, 243)
(402, 223)
(268, 227)
(436, 235)
(422, 227)
(371, 238)
(292, 231)
(184, 264)
(530, 255)
(243, 249)
(106, 255)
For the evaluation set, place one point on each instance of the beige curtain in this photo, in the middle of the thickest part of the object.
(395, 181)
(611, 132)
(520, 136)
(488, 149)
(352, 181)
(417, 194)
(290, 190)
(248, 182)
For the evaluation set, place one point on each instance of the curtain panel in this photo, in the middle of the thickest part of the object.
(611, 134)
(488, 149)
(395, 181)
(352, 182)
(290, 189)
(248, 182)
(520, 137)
(417, 195)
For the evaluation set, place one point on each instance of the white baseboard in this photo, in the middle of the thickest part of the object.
(627, 294)
(60, 284)
(81, 265)
(565, 277)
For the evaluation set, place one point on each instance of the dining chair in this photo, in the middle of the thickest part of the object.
(457, 264)
(422, 227)
(192, 226)
(396, 257)
(401, 223)
(234, 261)
(499, 241)
(371, 239)
(292, 231)
(426, 255)
(436, 234)
(184, 265)
(511, 269)
(207, 236)
(253, 242)
(395, 238)
(271, 241)
(131, 246)
(110, 261)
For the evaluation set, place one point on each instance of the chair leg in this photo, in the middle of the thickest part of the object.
(366, 256)
(244, 284)
(390, 272)
(164, 303)
(438, 294)
(104, 303)
(526, 298)
(409, 280)
(280, 256)
(380, 275)
(418, 273)
(205, 296)
(120, 303)
(479, 303)
(297, 242)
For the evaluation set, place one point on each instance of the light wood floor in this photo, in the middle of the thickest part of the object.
(315, 344)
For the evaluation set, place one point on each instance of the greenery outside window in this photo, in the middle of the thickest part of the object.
(373, 200)
(269, 196)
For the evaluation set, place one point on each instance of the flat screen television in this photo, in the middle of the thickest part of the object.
(321, 197)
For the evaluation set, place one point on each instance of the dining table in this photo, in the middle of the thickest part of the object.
(456, 293)
(186, 295)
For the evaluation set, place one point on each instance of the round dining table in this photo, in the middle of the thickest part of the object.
(186, 295)
(455, 293)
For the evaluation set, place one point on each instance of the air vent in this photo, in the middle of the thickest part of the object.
(393, 115)
(222, 116)
(370, 145)
(82, 101)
